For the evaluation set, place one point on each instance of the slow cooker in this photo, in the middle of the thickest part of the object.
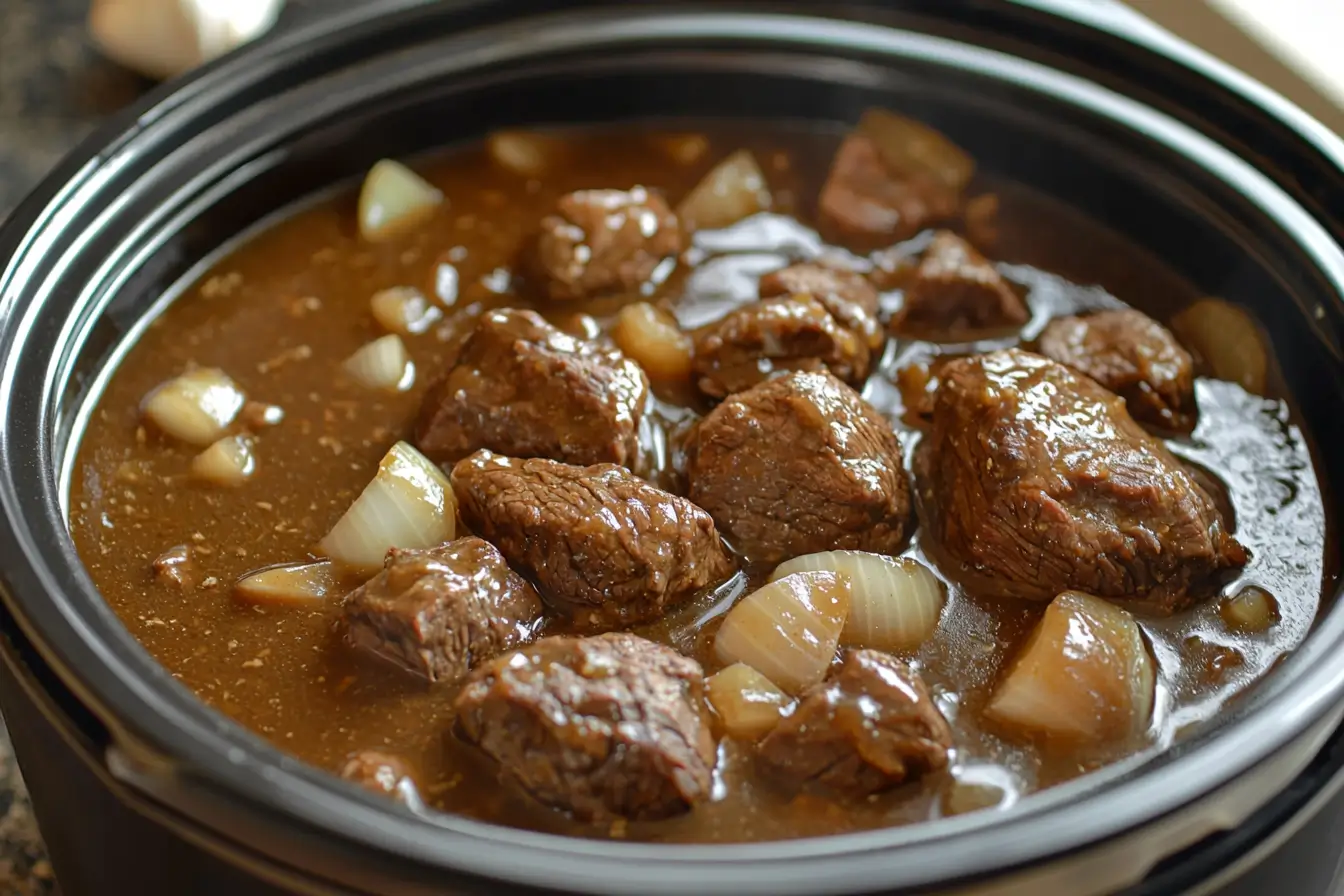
(140, 788)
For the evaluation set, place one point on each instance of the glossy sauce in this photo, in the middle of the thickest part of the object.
(281, 313)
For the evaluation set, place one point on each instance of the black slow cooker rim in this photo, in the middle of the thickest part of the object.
(135, 701)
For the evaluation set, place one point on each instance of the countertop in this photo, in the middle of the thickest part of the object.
(54, 88)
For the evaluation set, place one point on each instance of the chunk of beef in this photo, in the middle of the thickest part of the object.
(605, 726)
(866, 205)
(607, 549)
(1132, 355)
(1036, 480)
(955, 290)
(522, 387)
(871, 725)
(757, 341)
(438, 612)
(847, 295)
(606, 241)
(175, 568)
(384, 774)
(800, 464)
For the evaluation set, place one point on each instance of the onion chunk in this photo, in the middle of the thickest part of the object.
(896, 602)
(196, 407)
(382, 364)
(654, 341)
(748, 703)
(1084, 675)
(788, 629)
(525, 153)
(289, 584)
(404, 311)
(393, 200)
(734, 189)
(228, 462)
(1250, 611)
(1226, 339)
(409, 504)
(912, 148)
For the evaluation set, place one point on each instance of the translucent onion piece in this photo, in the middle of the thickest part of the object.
(1250, 611)
(913, 148)
(789, 629)
(394, 198)
(289, 584)
(195, 407)
(733, 190)
(382, 364)
(404, 311)
(1083, 675)
(653, 339)
(684, 149)
(895, 604)
(525, 153)
(228, 462)
(748, 703)
(409, 504)
(1227, 339)
(164, 38)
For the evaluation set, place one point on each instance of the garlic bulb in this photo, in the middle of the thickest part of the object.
(409, 504)
(896, 601)
(1083, 675)
(164, 38)
(289, 584)
(789, 629)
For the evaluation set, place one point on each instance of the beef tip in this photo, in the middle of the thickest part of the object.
(522, 387)
(847, 295)
(605, 726)
(800, 464)
(438, 612)
(384, 774)
(175, 568)
(606, 241)
(755, 342)
(1132, 355)
(870, 726)
(1035, 480)
(607, 549)
(866, 205)
(954, 290)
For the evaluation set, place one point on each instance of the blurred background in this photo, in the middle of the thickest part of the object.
(56, 84)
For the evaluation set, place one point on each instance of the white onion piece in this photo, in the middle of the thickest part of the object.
(748, 703)
(913, 148)
(653, 340)
(404, 311)
(164, 38)
(1083, 675)
(382, 364)
(393, 199)
(1227, 339)
(228, 462)
(789, 629)
(409, 504)
(896, 602)
(195, 407)
(289, 584)
(733, 190)
(1250, 611)
(525, 153)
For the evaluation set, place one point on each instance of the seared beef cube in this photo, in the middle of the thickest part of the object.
(522, 387)
(870, 726)
(606, 241)
(384, 774)
(602, 727)
(955, 290)
(607, 549)
(1132, 355)
(438, 612)
(849, 296)
(1035, 480)
(800, 464)
(757, 341)
(866, 205)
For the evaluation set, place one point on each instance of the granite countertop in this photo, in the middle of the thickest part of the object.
(54, 88)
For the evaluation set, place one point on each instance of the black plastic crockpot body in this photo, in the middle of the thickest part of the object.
(140, 788)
